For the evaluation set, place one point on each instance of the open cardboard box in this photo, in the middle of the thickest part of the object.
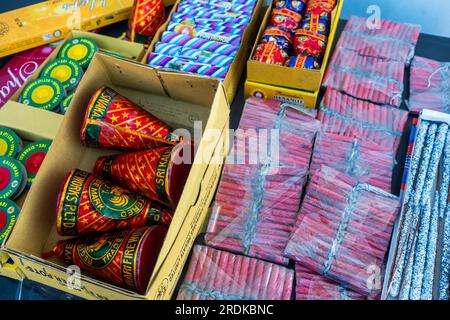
(231, 81)
(293, 78)
(179, 100)
(44, 123)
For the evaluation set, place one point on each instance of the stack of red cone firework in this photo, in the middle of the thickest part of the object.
(257, 203)
(124, 230)
(429, 85)
(346, 116)
(218, 275)
(343, 230)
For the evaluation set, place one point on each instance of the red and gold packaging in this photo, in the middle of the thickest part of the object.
(310, 43)
(158, 174)
(113, 121)
(270, 52)
(147, 16)
(89, 204)
(285, 19)
(124, 258)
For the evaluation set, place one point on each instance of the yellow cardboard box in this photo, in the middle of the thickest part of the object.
(44, 124)
(231, 81)
(281, 76)
(286, 95)
(178, 99)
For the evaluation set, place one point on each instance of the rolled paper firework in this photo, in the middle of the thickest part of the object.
(146, 17)
(197, 55)
(219, 275)
(270, 52)
(208, 34)
(113, 121)
(123, 258)
(285, 19)
(190, 28)
(89, 204)
(159, 173)
(280, 37)
(308, 42)
(294, 5)
(211, 23)
(10, 143)
(303, 62)
(219, 8)
(205, 15)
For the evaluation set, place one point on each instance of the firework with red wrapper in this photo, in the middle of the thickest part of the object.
(285, 19)
(258, 200)
(308, 42)
(282, 38)
(158, 174)
(312, 286)
(322, 4)
(89, 204)
(123, 258)
(343, 229)
(344, 115)
(303, 62)
(113, 121)
(270, 52)
(316, 23)
(293, 5)
(219, 275)
(146, 17)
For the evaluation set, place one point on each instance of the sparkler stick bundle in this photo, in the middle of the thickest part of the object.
(343, 229)
(312, 286)
(218, 275)
(429, 85)
(417, 269)
(367, 162)
(257, 203)
(350, 117)
(365, 77)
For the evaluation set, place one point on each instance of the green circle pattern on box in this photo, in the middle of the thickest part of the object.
(66, 102)
(32, 157)
(10, 143)
(66, 70)
(12, 178)
(80, 49)
(9, 212)
(43, 93)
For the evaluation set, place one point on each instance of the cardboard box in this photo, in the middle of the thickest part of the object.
(178, 99)
(299, 97)
(49, 21)
(44, 124)
(294, 78)
(231, 81)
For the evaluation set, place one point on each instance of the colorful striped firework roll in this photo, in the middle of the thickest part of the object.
(308, 42)
(258, 200)
(412, 139)
(158, 174)
(223, 17)
(113, 121)
(365, 77)
(191, 29)
(285, 19)
(197, 43)
(368, 162)
(187, 8)
(89, 204)
(146, 17)
(343, 230)
(209, 34)
(157, 60)
(219, 275)
(219, 7)
(123, 258)
(310, 285)
(215, 24)
(201, 56)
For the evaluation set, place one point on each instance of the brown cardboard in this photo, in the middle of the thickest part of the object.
(231, 81)
(175, 99)
(281, 76)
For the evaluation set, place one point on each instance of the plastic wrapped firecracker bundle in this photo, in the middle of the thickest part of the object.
(89, 204)
(258, 199)
(113, 121)
(423, 247)
(145, 19)
(123, 258)
(429, 85)
(310, 285)
(219, 275)
(368, 162)
(364, 77)
(343, 230)
(158, 174)
(347, 116)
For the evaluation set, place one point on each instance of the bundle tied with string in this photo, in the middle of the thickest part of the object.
(257, 203)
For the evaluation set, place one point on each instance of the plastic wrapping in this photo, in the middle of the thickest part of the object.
(365, 77)
(343, 230)
(346, 116)
(367, 162)
(256, 204)
(218, 275)
(429, 85)
(312, 286)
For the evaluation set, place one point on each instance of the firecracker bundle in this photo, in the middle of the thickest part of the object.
(421, 264)
(219, 275)
(257, 203)
(123, 209)
(202, 37)
(429, 85)
(344, 115)
(343, 230)
(368, 162)
(296, 35)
